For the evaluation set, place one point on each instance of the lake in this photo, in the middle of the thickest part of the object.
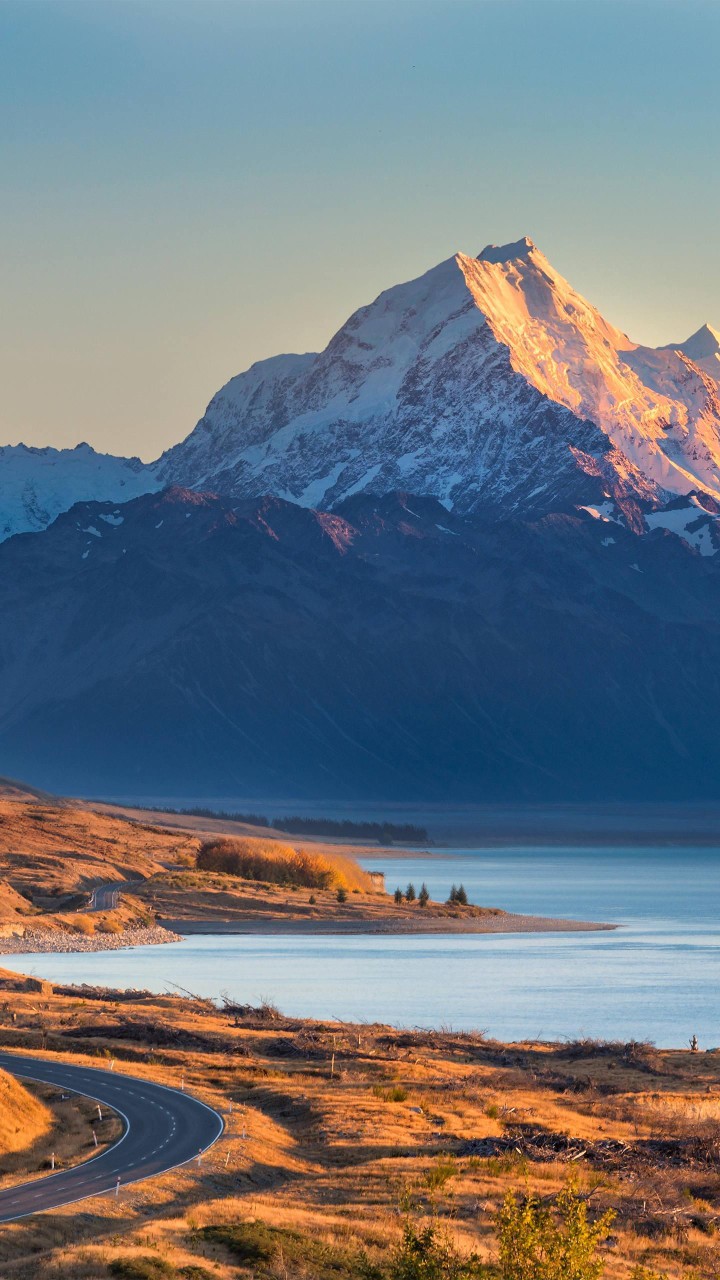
(656, 977)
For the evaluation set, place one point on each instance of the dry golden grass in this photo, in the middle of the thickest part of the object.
(50, 850)
(53, 853)
(23, 1118)
(276, 863)
(52, 1124)
(334, 1128)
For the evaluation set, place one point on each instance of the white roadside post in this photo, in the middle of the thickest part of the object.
(52, 1160)
(117, 1188)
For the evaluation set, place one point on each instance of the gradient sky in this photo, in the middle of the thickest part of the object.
(191, 186)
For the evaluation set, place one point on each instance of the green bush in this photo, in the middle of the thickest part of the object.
(427, 1254)
(396, 1093)
(142, 1268)
(558, 1243)
(262, 1248)
(442, 1171)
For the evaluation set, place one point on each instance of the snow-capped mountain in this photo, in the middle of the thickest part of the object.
(36, 485)
(488, 382)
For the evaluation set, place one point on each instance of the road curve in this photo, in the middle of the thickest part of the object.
(163, 1128)
(106, 897)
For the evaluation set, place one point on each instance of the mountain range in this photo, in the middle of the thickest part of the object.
(466, 552)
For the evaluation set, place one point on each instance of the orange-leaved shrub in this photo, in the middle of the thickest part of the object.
(267, 860)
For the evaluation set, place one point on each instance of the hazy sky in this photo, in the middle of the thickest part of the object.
(190, 186)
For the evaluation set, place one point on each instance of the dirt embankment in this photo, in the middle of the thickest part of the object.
(23, 1118)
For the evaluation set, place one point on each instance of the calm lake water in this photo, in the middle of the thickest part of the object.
(656, 977)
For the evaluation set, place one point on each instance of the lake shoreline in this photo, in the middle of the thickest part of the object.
(502, 923)
(59, 942)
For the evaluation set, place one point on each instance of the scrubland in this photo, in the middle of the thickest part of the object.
(342, 1139)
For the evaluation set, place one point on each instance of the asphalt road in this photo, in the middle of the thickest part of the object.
(107, 896)
(164, 1128)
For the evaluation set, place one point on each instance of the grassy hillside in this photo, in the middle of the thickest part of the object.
(48, 850)
(23, 1118)
(339, 1137)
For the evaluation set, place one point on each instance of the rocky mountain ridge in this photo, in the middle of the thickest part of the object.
(488, 383)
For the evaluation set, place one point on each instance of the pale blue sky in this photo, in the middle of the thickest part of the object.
(191, 185)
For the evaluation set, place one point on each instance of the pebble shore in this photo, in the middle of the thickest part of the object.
(36, 942)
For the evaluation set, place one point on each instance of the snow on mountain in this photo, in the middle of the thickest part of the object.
(703, 348)
(36, 485)
(488, 382)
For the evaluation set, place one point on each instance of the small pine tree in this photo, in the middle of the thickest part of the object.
(410, 892)
(452, 896)
(461, 896)
(398, 895)
(423, 896)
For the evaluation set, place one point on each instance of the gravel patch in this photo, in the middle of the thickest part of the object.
(39, 942)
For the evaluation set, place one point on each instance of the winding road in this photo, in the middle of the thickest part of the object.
(163, 1128)
(106, 897)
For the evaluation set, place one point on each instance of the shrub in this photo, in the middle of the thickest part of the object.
(539, 1243)
(396, 1093)
(142, 1268)
(442, 1171)
(83, 924)
(342, 894)
(268, 861)
(109, 926)
(427, 1254)
(272, 1251)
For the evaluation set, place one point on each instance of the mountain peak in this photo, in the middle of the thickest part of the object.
(522, 248)
(702, 347)
(704, 342)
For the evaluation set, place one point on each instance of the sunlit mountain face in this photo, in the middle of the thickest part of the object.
(488, 383)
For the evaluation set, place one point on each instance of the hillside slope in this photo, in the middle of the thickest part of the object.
(390, 649)
(23, 1118)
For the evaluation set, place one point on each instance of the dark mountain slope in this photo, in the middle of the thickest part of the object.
(186, 644)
